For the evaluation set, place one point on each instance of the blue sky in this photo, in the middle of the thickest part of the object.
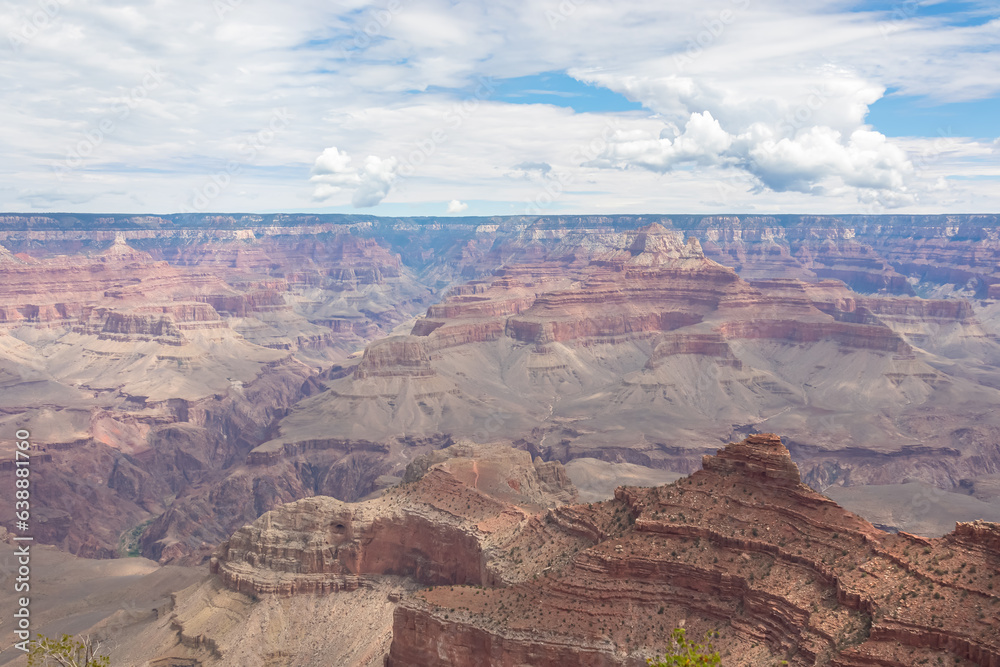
(478, 108)
(908, 116)
(554, 88)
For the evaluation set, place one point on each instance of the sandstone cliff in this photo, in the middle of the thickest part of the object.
(741, 547)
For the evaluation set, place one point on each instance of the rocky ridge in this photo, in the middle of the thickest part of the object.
(435, 527)
(143, 375)
(740, 547)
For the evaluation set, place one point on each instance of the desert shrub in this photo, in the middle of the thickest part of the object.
(66, 652)
(684, 653)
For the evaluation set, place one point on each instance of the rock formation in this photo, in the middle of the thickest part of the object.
(740, 547)
(142, 379)
(504, 573)
(435, 527)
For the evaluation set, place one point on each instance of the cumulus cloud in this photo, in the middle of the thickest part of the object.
(455, 206)
(786, 154)
(702, 142)
(332, 172)
(865, 160)
(334, 168)
(377, 176)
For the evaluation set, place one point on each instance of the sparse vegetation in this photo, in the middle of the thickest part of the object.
(66, 652)
(129, 544)
(684, 653)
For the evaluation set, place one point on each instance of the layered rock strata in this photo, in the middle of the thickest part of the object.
(740, 547)
(435, 528)
(593, 341)
(146, 374)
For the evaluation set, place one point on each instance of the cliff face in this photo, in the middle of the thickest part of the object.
(587, 343)
(891, 254)
(148, 373)
(435, 528)
(741, 547)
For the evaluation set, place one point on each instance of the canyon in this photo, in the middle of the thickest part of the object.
(482, 557)
(176, 367)
(184, 378)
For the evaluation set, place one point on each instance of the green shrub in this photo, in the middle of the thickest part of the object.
(66, 652)
(684, 653)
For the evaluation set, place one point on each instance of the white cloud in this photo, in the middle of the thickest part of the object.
(703, 142)
(455, 206)
(334, 167)
(377, 176)
(332, 172)
(866, 160)
(775, 98)
(814, 160)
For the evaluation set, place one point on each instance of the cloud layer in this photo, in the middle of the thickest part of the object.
(171, 105)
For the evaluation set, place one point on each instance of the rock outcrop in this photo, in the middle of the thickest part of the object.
(135, 362)
(740, 547)
(435, 528)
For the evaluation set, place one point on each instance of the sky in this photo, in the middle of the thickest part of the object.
(500, 107)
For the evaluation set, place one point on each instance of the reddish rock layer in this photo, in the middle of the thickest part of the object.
(660, 285)
(154, 359)
(434, 528)
(741, 547)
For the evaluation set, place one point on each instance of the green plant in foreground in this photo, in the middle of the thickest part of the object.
(66, 652)
(684, 653)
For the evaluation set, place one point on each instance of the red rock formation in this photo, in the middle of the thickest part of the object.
(655, 285)
(589, 331)
(152, 356)
(741, 547)
(320, 287)
(434, 528)
(393, 357)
